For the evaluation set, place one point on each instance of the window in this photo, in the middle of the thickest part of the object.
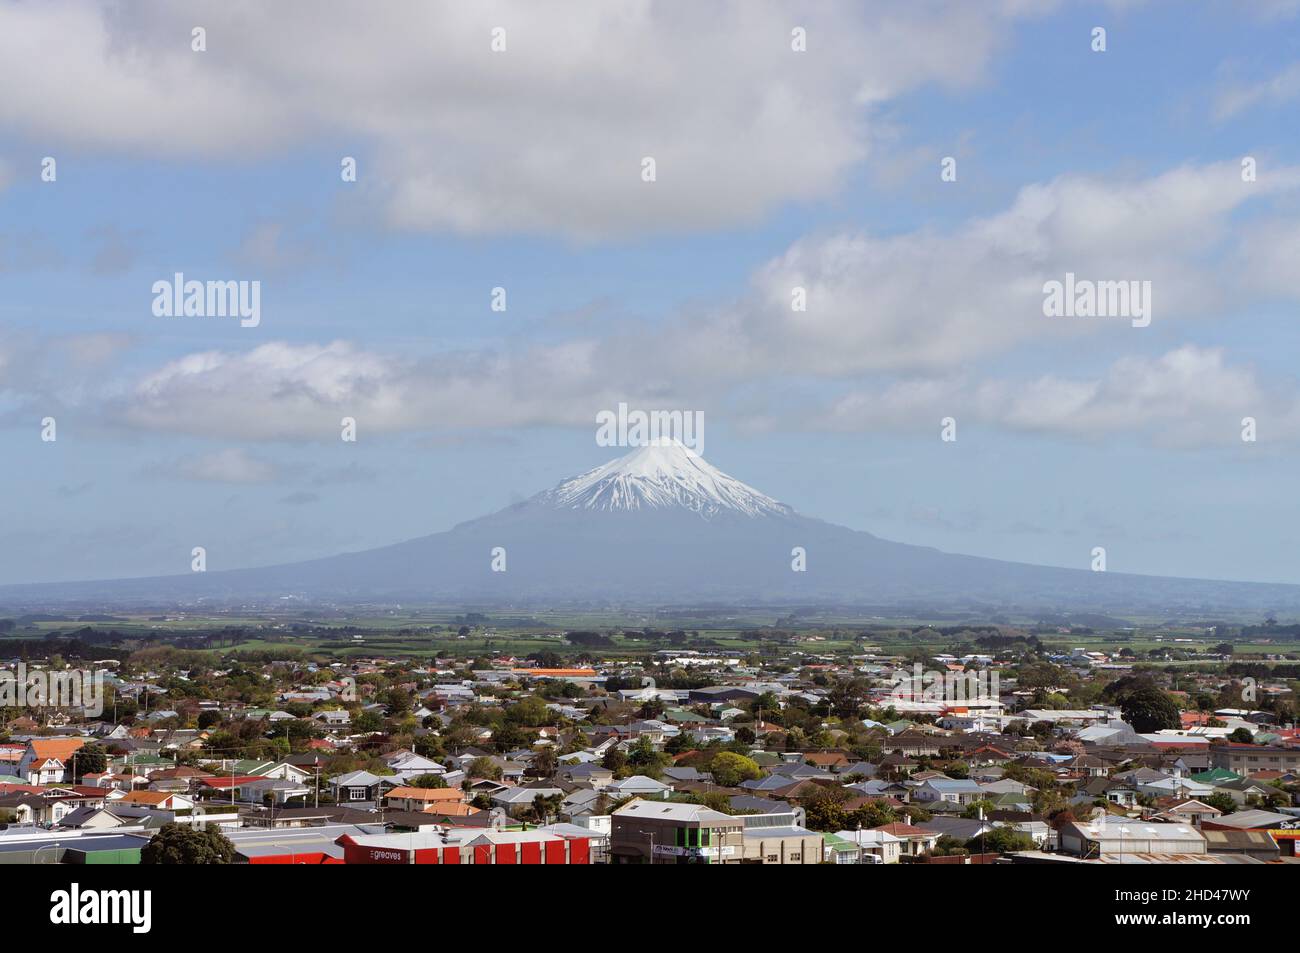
(772, 858)
(794, 857)
(356, 794)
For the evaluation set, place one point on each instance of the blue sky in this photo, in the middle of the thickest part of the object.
(520, 169)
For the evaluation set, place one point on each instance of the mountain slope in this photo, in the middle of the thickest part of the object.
(661, 526)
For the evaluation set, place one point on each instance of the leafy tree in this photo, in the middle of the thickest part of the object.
(1000, 840)
(91, 759)
(729, 769)
(531, 712)
(948, 846)
(614, 759)
(543, 765)
(427, 781)
(1149, 709)
(872, 814)
(651, 708)
(1220, 802)
(643, 757)
(484, 768)
(682, 741)
(846, 696)
(546, 806)
(175, 844)
(825, 809)
(1242, 736)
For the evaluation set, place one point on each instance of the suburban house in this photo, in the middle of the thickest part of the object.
(52, 759)
(953, 791)
(356, 787)
(421, 799)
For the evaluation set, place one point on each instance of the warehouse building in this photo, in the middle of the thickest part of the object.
(33, 846)
(468, 846)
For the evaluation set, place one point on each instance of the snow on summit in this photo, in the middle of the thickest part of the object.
(665, 473)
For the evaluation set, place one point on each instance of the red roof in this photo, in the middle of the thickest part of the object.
(231, 782)
(21, 788)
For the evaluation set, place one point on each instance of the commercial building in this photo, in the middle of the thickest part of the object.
(32, 846)
(1113, 835)
(468, 846)
(676, 833)
(662, 832)
(1245, 759)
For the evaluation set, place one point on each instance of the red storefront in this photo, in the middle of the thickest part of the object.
(489, 847)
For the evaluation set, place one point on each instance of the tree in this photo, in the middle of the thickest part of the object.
(175, 844)
(947, 846)
(546, 806)
(1220, 802)
(872, 814)
(643, 757)
(614, 760)
(1000, 840)
(543, 765)
(1148, 709)
(531, 712)
(91, 759)
(846, 696)
(825, 809)
(729, 769)
(427, 781)
(484, 768)
(683, 741)
(1242, 736)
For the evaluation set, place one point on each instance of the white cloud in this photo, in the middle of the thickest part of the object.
(286, 391)
(1190, 396)
(929, 300)
(920, 307)
(546, 137)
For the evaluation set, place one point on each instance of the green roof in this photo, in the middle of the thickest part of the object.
(249, 766)
(1215, 776)
(837, 843)
(140, 760)
(1010, 799)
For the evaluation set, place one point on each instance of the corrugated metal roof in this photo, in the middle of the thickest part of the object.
(1210, 859)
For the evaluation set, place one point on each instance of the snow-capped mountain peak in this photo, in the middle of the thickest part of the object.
(665, 473)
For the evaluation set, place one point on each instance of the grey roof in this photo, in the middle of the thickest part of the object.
(686, 774)
(356, 779)
(767, 833)
(1245, 819)
(672, 811)
(954, 786)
